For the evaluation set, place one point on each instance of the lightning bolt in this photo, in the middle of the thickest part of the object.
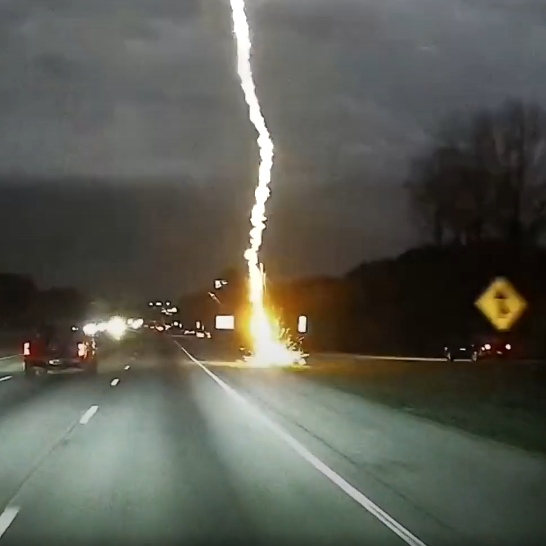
(269, 347)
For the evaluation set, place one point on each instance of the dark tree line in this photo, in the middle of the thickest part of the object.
(23, 303)
(485, 178)
(17, 295)
(409, 305)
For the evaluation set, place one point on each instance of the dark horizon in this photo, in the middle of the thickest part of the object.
(141, 238)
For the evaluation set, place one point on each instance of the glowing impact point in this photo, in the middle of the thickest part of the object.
(271, 345)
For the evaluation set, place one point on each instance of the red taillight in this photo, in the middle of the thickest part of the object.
(26, 348)
(82, 349)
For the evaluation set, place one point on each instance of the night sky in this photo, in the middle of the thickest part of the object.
(127, 163)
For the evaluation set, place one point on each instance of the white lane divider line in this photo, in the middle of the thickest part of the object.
(114, 382)
(127, 367)
(366, 503)
(5, 378)
(7, 517)
(88, 414)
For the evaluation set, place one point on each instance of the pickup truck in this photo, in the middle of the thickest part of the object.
(56, 350)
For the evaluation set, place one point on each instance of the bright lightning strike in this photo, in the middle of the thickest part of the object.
(269, 347)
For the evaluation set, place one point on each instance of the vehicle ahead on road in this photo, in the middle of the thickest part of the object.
(484, 349)
(57, 349)
(461, 351)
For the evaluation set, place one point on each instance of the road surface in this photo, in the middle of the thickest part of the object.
(188, 448)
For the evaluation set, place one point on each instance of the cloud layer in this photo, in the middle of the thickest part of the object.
(133, 89)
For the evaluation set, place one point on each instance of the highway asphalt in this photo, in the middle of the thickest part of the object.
(188, 447)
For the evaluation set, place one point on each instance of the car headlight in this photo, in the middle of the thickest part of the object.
(90, 329)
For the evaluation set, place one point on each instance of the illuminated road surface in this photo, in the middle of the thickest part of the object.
(176, 453)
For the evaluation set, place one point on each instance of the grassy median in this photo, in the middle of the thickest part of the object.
(501, 400)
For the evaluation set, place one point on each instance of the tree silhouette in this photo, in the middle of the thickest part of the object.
(485, 178)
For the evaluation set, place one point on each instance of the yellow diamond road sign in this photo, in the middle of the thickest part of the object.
(501, 304)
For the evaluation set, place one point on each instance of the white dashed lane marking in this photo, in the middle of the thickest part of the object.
(88, 414)
(7, 517)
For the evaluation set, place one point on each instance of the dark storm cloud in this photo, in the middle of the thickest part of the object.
(123, 89)
(354, 88)
(381, 74)
(116, 88)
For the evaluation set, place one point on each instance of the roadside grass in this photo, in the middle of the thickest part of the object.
(505, 401)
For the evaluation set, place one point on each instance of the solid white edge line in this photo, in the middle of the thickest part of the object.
(349, 356)
(7, 517)
(9, 356)
(323, 468)
(5, 378)
(114, 382)
(88, 414)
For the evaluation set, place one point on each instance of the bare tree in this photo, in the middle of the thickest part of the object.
(485, 178)
(519, 172)
(430, 199)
